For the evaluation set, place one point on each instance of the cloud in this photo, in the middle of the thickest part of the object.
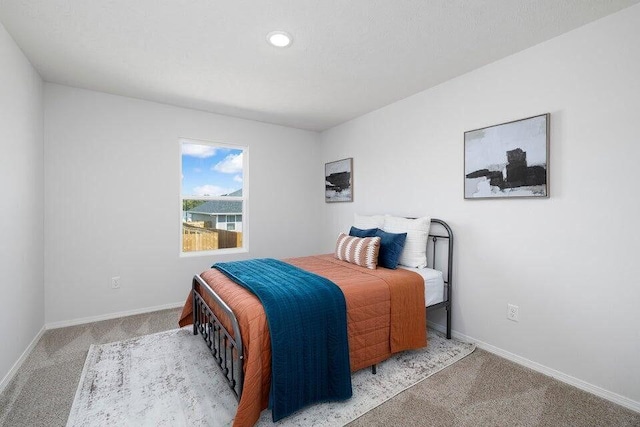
(231, 164)
(210, 190)
(237, 178)
(199, 151)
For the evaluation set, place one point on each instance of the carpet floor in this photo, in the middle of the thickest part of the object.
(480, 390)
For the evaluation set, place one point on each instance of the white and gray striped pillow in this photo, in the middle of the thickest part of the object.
(362, 251)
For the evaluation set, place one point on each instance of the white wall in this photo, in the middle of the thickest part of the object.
(570, 262)
(112, 186)
(21, 209)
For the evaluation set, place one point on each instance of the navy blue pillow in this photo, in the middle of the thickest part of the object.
(357, 232)
(391, 246)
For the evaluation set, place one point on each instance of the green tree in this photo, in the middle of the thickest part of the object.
(189, 204)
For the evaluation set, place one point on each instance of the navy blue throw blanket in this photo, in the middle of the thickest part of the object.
(307, 320)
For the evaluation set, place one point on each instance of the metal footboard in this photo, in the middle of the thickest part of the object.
(227, 349)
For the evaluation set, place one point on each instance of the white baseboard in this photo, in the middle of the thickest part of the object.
(7, 378)
(74, 322)
(568, 379)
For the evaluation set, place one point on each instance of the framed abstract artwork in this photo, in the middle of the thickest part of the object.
(338, 181)
(509, 160)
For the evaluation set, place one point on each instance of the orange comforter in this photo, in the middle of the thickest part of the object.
(385, 314)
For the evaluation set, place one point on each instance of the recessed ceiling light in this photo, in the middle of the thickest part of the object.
(279, 38)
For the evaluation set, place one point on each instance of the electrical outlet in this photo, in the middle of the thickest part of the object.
(115, 282)
(512, 312)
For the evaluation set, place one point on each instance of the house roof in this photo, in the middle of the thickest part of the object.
(219, 207)
(237, 193)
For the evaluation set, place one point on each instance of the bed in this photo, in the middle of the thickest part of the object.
(381, 322)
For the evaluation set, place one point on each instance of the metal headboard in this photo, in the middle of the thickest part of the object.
(438, 237)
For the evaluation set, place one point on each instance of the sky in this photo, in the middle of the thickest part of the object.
(209, 170)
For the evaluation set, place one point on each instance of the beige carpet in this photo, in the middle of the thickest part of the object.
(480, 390)
(486, 390)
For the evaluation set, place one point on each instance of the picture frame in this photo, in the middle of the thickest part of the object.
(509, 160)
(338, 181)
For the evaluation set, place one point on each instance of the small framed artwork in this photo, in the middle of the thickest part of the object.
(338, 181)
(509, 160)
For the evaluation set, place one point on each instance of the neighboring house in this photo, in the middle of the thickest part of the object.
(221, 214)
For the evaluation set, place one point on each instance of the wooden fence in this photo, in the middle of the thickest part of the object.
(197, 238)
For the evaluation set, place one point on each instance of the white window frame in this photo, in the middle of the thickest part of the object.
(244, 199)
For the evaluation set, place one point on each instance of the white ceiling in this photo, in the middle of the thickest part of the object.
(348, 57)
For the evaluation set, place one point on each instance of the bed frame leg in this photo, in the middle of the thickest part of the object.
(448, 322)
(194, 307)
(374, 369)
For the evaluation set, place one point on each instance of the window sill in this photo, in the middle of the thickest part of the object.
(216, 252)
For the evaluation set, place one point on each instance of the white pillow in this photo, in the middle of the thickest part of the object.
(365, 222)
(414, 253)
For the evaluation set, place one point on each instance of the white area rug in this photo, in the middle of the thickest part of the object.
(170, 379)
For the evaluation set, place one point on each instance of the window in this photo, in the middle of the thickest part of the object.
(213, 197)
